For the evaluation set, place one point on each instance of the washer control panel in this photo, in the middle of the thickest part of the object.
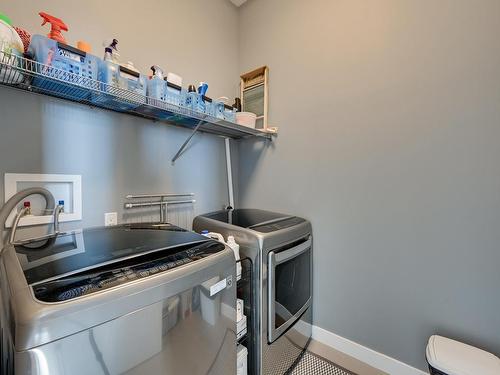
(119, 273)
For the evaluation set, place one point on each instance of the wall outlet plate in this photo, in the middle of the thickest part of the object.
(110, 219)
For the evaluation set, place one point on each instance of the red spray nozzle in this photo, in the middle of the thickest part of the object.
(57, 25)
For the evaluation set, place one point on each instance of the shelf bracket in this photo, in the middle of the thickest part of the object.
(184, 145)
(229, 174)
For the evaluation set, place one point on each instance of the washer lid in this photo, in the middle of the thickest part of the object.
(78, 251)
(258, 220)
(455, 358)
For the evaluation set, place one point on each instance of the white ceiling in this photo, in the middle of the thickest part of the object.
(238, 3)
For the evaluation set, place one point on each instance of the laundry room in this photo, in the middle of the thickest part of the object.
(250, 187)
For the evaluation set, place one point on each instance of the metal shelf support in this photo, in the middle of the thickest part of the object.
(184, 145)
(229, 171)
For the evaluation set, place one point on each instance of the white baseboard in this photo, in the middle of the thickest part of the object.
(370, 357)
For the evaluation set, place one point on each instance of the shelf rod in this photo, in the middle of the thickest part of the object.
(184, 145)
(158, 203)
(166, 195)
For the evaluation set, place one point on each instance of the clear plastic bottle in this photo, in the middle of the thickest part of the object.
(236, 249)
(156, 85)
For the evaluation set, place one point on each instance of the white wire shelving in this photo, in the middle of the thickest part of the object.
(31, 76)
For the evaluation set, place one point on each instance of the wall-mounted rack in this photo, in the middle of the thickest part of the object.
(162, 202)
(20, 73)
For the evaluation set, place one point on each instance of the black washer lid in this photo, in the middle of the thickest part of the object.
(91, 248)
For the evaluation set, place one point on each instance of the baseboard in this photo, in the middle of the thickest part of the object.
(370, 357)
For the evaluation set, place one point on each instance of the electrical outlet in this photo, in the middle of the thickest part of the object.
(110, 218)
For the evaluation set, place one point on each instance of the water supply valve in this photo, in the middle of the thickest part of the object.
(27, 206)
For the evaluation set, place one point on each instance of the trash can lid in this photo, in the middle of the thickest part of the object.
(455, 358)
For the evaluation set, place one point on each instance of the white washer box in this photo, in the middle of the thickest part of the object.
(450, 357)
(63, 187)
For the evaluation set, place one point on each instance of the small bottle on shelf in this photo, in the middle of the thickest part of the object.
(237, 104)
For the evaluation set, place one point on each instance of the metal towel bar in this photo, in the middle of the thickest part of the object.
(162, 203)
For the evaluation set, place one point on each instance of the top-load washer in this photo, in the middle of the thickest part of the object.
(131, 299)
(279, 303)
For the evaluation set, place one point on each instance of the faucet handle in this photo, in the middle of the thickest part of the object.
(57, 211)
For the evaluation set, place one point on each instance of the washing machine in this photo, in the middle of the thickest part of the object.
(276, 251)
(138, 299)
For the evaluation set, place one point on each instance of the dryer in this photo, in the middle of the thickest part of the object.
(279, 303)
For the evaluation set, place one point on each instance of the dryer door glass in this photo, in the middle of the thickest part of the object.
(289, 287)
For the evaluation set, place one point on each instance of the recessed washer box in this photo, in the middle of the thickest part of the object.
(64, 187)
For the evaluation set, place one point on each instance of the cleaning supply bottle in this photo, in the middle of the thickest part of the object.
(56, 26)
(111, 51)
(213, 235)
(157, 85)
(237, 104)
(109, 71)
(191, 100)
(202, 91)
(236, 249)
(231, 243)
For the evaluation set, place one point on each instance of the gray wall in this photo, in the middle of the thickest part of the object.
(118, 154)
(389, 142)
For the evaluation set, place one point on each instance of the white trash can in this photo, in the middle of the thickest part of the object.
(450, 357)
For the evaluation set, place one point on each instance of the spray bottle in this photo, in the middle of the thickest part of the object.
(109, 70)
(157, 85)
(57, 25)
(111, 51)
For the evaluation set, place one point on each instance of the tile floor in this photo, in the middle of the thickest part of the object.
(312, 364)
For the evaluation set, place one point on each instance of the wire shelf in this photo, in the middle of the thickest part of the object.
(21, 73)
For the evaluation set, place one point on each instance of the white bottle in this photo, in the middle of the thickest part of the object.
(236, 249)
(231, 243)
(213, 235)
(241, 362)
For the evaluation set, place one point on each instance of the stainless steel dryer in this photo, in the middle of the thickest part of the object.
(130, 299)
(280, 315)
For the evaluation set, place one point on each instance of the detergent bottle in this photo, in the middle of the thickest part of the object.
(11, 49)
(231, 243)
(157, 85)
(133, 80)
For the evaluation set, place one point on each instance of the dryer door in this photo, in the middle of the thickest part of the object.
(290, 287)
